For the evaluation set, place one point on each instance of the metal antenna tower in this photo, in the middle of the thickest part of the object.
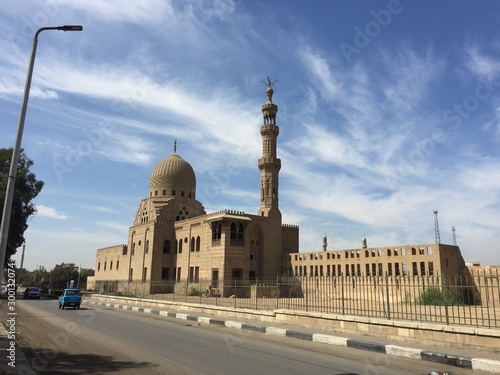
(436, 227)
(454, 236)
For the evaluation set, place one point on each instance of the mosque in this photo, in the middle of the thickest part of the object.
(173, 240)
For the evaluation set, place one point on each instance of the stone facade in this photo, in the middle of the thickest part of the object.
(408, 260)
(174, 239)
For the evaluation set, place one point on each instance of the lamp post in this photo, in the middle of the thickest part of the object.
(9, 194)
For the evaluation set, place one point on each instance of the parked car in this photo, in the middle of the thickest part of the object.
(31, 292)
(70, 297)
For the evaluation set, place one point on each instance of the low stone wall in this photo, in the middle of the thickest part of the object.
(445, 336)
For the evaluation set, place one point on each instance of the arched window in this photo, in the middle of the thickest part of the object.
(233, 231)
(166, 247)
(192, 243)
(164, 192)
(241, 232)
(156, 193)
(216, 231)
(198, 243)
(173, 192)
(146, 247)
(132, 252)
(180, 246)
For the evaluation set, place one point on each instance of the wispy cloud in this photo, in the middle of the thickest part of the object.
(50, 213)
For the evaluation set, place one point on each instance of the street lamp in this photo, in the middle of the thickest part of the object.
(9, 194)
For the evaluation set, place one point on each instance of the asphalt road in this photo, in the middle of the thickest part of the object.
(97, 340)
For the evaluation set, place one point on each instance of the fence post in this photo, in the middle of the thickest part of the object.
(235, 292)
(307, 293)
(388, 299)
(342, 285)
(277, 291)
(443, 288)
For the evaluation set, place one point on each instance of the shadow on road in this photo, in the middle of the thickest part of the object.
(46, 361)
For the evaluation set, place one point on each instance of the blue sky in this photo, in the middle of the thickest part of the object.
(387, 111)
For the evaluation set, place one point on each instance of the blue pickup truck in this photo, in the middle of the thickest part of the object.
(70, 297)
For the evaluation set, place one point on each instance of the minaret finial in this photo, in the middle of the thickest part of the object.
(269, 92)
(269, 83)
(175, 146)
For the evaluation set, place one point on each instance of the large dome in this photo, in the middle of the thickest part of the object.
(173, 176)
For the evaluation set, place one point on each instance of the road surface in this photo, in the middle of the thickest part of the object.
(98, 340)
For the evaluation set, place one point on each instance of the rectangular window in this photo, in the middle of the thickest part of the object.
(164, 273)
(403, 268)
(99, 266)
(429, 249)
(117, 264)
(431, 268)
(131, 274)
(144, 274)
(389, 269)
(422, 268)
(191, 274)
(367, 269)
(178, 273)
(197, 274)
(396, 269)
(110, 265)
(104, 266)
(124, 251)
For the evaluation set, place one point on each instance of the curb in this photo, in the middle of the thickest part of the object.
(483, 364)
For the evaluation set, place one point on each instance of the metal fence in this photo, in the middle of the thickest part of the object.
(472, 300)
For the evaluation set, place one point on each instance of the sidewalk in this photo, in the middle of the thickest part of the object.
(458, 358)
(12, 359)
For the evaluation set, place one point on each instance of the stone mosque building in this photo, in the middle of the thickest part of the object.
(173, 239)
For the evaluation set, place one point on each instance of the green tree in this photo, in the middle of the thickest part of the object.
(64, 272)
(27, 187)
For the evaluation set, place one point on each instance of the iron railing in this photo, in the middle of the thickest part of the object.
(472, 300)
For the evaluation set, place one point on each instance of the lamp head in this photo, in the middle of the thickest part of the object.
(70, 28)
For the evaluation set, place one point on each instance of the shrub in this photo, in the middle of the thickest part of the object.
(194, 292)
(436, 296)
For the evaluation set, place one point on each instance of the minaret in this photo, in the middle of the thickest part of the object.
(269, 164)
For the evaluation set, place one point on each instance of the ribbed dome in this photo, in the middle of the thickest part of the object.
(173, 176)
